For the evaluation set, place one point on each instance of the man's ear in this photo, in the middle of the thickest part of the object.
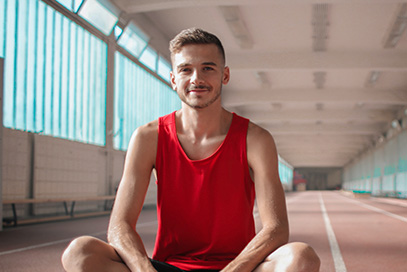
(226, 75)
(173, 85)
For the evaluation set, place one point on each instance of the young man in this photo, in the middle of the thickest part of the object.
(210, 165)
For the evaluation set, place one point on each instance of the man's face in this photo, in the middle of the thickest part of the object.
(198, 74)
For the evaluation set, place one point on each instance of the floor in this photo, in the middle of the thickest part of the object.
(349, 234)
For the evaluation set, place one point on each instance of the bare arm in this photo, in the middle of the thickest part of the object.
(263, 161)
(122, 234)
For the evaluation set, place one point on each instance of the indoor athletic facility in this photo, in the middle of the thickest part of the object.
(327, 79)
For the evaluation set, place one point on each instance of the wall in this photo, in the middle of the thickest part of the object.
(381, 171)
(38, 166)
(325, 178)
(334, 179)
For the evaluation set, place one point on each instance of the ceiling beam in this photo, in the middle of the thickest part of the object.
(269, 61)
(237, 26)
(376, 96)
(341, 116)
(132, 6)
(325, 129)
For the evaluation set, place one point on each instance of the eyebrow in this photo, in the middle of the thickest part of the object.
(204, 63)
(209, 63)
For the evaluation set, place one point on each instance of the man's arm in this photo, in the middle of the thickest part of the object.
(263, 161)
(122, 235)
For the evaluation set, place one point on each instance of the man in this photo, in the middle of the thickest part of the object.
(210, 164)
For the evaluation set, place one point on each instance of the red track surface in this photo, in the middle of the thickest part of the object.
(371, 234)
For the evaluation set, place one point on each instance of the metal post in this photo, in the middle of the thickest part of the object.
(109, 113)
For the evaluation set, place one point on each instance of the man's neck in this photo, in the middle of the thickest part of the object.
(203, 123)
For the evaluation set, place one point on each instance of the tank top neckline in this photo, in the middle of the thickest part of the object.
(217, 149)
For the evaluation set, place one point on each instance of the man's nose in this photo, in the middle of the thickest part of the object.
(196, 77)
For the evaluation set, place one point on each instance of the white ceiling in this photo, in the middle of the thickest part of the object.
(313, 96)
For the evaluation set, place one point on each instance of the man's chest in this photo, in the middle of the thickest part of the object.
(200, 149)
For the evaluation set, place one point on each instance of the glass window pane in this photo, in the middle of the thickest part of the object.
(139, 98)
(164, 69)
(149, 58)
(55, 74)
(133, 40)
(66, 3)
(3, 16)
(98, 15)
(117, 31)
(76, 5)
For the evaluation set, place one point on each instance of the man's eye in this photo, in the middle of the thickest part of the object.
(185, 70)
(208, 68)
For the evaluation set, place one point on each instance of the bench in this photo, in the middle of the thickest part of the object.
(69, 213)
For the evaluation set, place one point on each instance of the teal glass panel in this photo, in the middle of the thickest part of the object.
(9, 64)
(98, 15)
(76, 5)
(55, 74)
(402, 165)
(117, 31)
(66, 3)
(389, 170)
(139, 98)
(149, 58)
(3, 17)
(377, 172)
(71, 5)
(285, 172)
(164, 69)
(133, 40)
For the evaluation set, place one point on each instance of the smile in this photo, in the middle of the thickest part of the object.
(200, 89)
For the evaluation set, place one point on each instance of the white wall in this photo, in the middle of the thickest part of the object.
(368, 172)
(38, 166)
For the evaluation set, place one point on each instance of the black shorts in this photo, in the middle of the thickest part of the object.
(164, 267)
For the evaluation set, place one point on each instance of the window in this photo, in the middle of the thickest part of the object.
(3, 16)
(55, 74)
(285, 172)
(139, 98)
(71, 5)
(99, 15)
(133, 40)
(149, 58)
(164, 69)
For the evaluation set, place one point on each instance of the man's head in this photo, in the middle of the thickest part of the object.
(194, 36)
(198, 68)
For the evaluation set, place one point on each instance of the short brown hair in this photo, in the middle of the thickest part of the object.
(194, 36)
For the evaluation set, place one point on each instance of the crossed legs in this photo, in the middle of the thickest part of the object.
(292, 257)
(90, 254)
(87, 253)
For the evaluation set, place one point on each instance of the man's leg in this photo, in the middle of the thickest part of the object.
(90, 254)
(295, 257)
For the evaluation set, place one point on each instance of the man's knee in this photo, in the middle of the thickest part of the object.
(78, 251)
(298, 257)
(304, 257)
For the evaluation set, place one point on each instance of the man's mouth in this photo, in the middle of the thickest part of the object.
(198, 89)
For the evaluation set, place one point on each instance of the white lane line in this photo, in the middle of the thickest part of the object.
(64, 240)
(375, 209)
(391, 202)
(336, 252)
(293, 198)
(45, 244)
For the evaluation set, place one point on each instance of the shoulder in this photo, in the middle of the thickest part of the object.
(144, 139)
(147, 131)
(260, 145)
(258, 135)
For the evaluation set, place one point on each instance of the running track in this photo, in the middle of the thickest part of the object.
(362, 234)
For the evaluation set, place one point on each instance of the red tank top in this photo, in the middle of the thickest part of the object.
(205, 207)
